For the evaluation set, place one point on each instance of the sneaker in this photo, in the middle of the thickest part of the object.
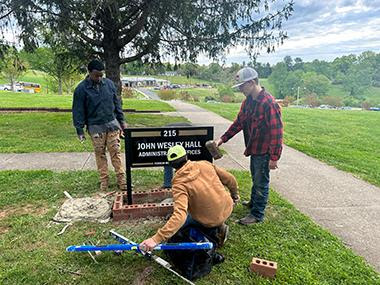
(248, 220)
(247, 204)
(222, 235)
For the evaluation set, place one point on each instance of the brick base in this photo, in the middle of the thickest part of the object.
(122, 211)
(264, 267)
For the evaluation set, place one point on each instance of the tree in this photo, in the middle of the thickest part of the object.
(277, 79)
(57, 62)
(189, 69)
(12, 66)
(357, 80)
(320, 67)
(298, 64)
(288, 62)
(316, 84)
(125, 30)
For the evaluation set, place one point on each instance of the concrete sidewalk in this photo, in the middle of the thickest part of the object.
(346, 206)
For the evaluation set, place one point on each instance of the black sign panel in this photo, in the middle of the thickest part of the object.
(147, 147)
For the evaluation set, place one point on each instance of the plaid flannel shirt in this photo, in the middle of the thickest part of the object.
(260, 120)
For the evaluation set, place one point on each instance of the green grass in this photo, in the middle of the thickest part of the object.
(53, 132)
(32, 253)
(347, 140)
(23, 100)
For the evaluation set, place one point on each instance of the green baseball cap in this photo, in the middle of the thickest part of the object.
(176, 152)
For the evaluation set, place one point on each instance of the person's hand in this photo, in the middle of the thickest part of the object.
(219, 142)
(235, 199)
(148, 245)
(273, 164)
(81, 138)
(123, 126)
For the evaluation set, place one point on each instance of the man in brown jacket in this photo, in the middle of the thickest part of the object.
(199, 196)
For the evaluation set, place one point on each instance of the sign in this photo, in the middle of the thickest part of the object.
(147, 147)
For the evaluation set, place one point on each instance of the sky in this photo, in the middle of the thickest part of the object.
(324, 30)
(317, 29)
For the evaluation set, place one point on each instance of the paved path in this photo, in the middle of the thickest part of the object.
(345, 205)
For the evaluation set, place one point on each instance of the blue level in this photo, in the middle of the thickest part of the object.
(124, 247)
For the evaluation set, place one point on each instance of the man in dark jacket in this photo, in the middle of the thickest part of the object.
(97, 106)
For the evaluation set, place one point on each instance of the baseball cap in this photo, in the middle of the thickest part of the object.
(245, 74)
(176, 152)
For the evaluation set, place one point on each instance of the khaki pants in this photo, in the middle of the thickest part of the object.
(111, 142)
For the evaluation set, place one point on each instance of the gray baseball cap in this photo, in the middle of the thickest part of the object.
(245, 74)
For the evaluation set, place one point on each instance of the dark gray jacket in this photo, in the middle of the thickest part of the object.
(95, 105)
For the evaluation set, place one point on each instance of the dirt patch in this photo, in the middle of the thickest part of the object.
(4, 230)
(26, 209)
(141, 278)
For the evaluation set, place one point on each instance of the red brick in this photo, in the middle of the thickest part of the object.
(122, 211)
(264, 267)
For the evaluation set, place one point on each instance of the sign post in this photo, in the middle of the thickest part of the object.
(147, 147)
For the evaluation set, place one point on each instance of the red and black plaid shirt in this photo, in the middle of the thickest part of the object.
(260, 120)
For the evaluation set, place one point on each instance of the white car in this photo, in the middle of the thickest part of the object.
(8, 87)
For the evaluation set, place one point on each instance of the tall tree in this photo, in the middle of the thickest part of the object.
(12, 66)
(121, 31)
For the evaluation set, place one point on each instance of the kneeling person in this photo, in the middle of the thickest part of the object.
(200, 198)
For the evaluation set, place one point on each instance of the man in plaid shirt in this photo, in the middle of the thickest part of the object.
(260, 119)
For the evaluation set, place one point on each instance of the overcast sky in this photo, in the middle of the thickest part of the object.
(324, 29)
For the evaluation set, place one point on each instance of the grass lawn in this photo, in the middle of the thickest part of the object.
(347, 140)
(24, 100)
(32, 253)
(53, 132)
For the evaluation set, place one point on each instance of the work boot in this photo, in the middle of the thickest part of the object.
(248, 220)
(121, 182)
(217, 258)
(104, 185)
(247, 204)
(222, 235)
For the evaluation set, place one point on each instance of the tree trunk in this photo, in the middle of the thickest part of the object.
(13, 85)
(60, 86)
(112, 62)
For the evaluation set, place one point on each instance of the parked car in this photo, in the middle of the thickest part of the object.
(8, 87)
(5, 87)
(374, 109)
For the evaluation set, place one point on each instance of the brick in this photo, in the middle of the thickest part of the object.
(122, 211)
(264, 267)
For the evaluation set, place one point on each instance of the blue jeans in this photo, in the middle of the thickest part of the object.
(209, 232)
(260, 184)
(168, 176)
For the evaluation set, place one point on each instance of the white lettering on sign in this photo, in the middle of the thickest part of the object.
(192, 144)
(194, 151)
(142, 146)
(170, 133)
(151, 153)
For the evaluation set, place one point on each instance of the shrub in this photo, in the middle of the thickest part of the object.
(226, 94)
(184, 95)
(312, 101)
(227, 99)
(366, 105)
(167, 94)
(334, 101)
(127, 92)
(210, 98)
